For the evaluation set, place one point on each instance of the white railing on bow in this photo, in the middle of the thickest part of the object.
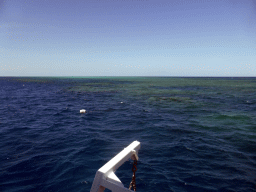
(105, 176)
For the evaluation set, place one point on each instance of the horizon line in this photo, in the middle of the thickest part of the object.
(143, 76)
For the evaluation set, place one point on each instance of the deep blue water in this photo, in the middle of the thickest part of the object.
(196, 134)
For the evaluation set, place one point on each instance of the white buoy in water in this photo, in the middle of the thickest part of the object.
(82, 111)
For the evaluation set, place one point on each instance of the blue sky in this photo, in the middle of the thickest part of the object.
(127, 38)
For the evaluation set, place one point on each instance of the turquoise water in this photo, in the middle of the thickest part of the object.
(196, 134)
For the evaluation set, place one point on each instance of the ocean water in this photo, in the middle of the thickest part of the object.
(196, 134)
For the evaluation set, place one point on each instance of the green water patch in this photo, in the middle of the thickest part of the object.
(95, 87)
(189, 86)
(164, 89)
(170, 103)
(169, 99)
(130, 87)
(192, 81)
(91, 89)
(222, 122)
(160, 81)
(235, 117)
